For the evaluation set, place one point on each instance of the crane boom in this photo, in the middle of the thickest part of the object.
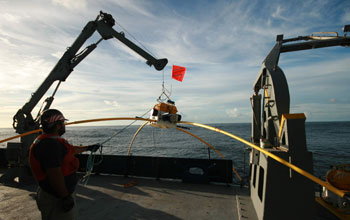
(23, 121)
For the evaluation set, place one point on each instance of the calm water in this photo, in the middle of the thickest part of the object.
(329, 142)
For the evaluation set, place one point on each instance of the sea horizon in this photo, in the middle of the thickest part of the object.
(211, 123)
(329, 141)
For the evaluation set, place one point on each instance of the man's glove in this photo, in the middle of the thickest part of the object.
(67, 203)
(93, 148)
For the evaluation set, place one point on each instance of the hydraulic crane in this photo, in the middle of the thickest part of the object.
(23, 121)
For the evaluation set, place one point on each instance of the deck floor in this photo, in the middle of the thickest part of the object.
(106, 197)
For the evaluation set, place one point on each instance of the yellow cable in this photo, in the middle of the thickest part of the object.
(284, 162)
(78, 122)
(180, 129)
(217, 151)
(108, 119)
(136, 133)
(21, 135)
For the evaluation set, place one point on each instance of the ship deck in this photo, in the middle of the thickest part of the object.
(106, 197)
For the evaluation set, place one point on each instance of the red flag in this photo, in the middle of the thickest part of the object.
(178, 73)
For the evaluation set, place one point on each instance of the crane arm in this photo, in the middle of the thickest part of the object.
(23, 121)
(107, 32)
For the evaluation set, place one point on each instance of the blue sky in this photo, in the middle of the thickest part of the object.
(221, 43)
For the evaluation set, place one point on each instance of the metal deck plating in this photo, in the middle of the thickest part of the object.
(105, 197)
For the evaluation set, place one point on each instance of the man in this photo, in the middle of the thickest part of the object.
(54, 165)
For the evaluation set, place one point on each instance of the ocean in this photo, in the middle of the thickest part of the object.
(329, 142)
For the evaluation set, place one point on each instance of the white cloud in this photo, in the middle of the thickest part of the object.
(233, 113)
(111, 103)
(320, 112)
(278, 13)
(139, 7)
(7, 41)
(346, 17)
(222, 44)
(69, 4)
(11, 18)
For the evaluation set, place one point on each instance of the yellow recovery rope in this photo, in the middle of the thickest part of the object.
(284, 162)
(280, 160)
(234, 170)
(180, 129)
(136, 133)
